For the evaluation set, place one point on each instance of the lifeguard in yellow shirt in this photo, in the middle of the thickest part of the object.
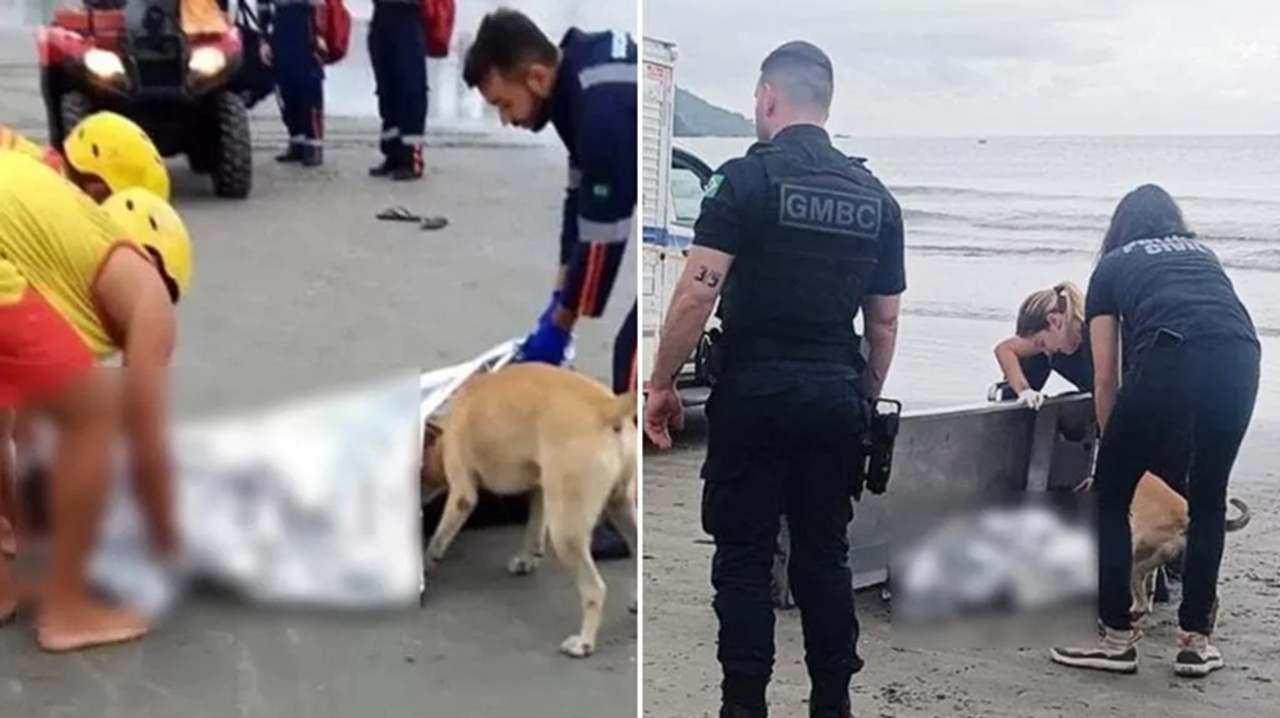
(79, 283)
(106, 152)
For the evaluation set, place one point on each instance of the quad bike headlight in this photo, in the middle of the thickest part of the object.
(207, 61)
(103, 64)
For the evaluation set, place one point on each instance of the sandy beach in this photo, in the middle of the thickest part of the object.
(681, 676)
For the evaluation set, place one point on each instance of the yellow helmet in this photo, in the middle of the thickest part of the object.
(116, 149)
(154, 225)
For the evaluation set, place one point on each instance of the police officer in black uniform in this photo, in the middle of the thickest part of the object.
(1193, 368)
(799, 237)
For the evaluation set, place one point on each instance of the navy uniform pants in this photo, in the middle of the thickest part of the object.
(398, 50)
(624, 355)
(1204, 390)
(783, 437)
(299, 74)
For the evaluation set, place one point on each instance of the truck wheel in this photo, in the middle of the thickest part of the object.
(72, 108)
(233, 165)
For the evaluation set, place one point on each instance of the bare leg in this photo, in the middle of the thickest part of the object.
(9, 594)
(70, 618)
(535, 538)
(8, 486)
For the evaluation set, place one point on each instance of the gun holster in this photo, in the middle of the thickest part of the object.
(883, 417)
(709, 357)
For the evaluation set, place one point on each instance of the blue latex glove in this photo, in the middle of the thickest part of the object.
(547, 344)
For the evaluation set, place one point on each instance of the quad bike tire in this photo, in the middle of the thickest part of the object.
(72, 108)
(232, 167)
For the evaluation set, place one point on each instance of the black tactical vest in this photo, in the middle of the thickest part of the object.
(794, 292)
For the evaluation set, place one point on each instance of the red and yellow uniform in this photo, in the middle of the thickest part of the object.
(54, 240)
(11, 140)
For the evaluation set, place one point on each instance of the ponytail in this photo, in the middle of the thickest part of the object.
(1065, 299)
(1070, 302)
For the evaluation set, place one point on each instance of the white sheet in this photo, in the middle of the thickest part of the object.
(312, 503)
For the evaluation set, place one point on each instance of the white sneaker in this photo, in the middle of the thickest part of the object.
(1196, 656)
(1116, 652)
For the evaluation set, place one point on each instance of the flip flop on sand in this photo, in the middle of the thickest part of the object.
(398, 213)
(433, 223)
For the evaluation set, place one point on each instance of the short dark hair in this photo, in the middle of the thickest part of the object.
(803, 72)
(506, 41)
(1147, 212)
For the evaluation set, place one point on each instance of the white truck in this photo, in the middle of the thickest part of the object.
(671, 197)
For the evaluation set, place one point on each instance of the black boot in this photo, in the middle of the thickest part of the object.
(844, 710)
(313, 156)
(293, 153)
(409, 166)
(385, 168)
(829, 695)
(743, 696)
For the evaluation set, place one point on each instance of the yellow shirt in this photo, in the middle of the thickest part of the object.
(11, 140)
(54, 238)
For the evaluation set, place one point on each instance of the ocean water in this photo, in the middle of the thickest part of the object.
(988, 223)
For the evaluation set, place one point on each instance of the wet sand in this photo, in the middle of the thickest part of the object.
(299, 288)
(681, 675)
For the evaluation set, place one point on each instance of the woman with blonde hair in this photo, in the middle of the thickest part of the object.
(1050, 335)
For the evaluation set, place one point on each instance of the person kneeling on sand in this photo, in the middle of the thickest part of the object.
(80, 283)
(105, 153)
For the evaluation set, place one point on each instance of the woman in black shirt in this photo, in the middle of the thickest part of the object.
(1050, 335)
(1192, 365)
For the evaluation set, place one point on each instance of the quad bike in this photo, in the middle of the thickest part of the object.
(173, 70)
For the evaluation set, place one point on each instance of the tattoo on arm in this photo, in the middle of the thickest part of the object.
(707, 276)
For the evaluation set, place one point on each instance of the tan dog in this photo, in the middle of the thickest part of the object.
(560, 435)
(1158, 521)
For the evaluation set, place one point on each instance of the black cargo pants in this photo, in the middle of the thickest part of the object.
(783, 436)
(1204, 390)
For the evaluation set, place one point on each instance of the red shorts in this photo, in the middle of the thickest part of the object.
(40, 353)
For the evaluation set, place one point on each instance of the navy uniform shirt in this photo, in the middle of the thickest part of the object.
(1174, 283)
(594, 111)
(734, 207)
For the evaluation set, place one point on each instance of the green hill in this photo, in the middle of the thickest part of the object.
(695, 117)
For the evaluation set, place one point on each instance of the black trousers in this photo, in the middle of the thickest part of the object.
(1202, 390)
(783, 437)
(397, 51)
(624, 354)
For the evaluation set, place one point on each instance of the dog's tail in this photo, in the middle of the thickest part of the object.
(1243, 519)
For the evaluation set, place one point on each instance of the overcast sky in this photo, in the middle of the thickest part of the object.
(999, 67)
